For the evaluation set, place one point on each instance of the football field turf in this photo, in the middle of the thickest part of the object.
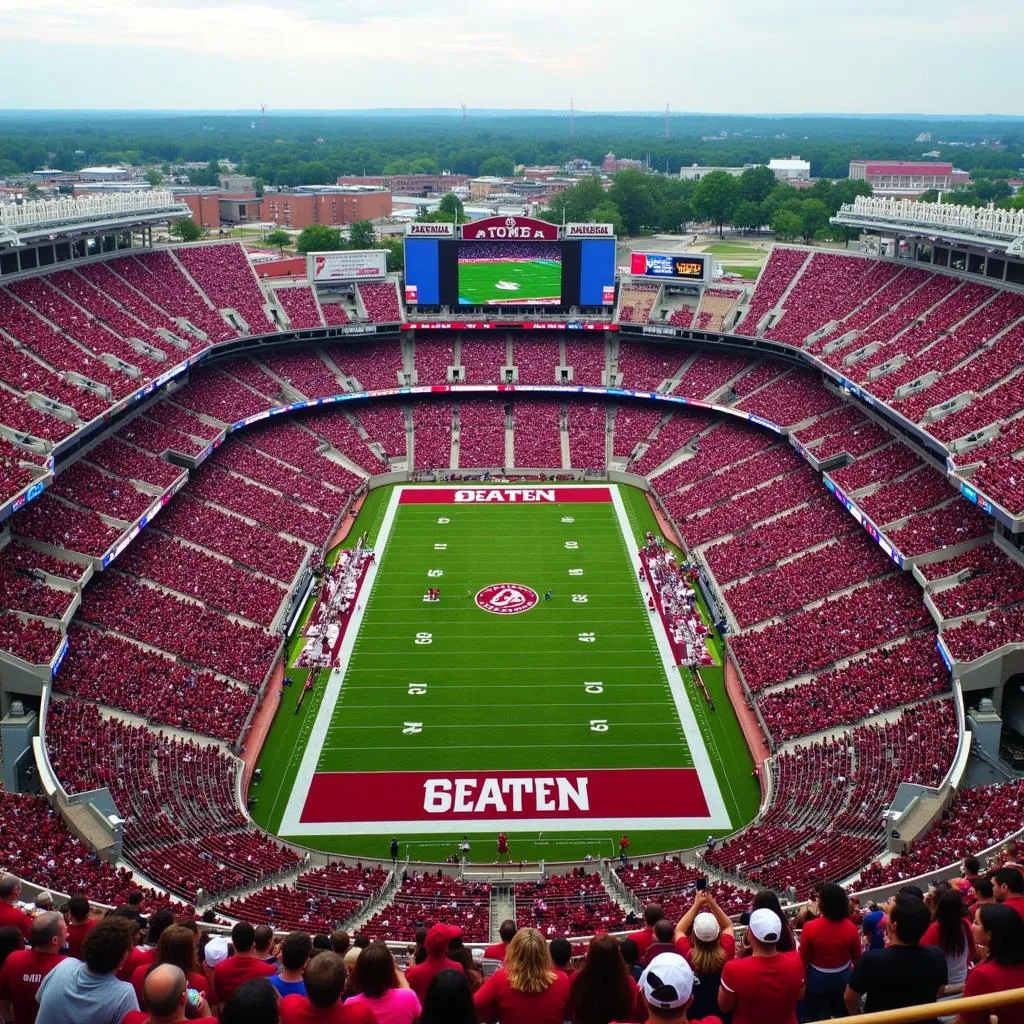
(533, 280)
(561, 724)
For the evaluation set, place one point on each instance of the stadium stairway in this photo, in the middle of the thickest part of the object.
(502, 908)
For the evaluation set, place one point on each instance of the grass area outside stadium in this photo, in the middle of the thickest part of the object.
(505, 692)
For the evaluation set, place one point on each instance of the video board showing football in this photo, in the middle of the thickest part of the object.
(510, 273)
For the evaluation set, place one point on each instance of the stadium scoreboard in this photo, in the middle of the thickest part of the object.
(685, 267)
(507, 262)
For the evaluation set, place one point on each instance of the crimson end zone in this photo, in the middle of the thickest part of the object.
(564, 798)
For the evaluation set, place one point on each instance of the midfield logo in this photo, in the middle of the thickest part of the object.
(506, 598)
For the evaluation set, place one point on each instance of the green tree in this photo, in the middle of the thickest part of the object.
(258, 185)
(756, 184)
(716, 197)
(278, 237)
(451, 206)
(498, 166)
(631, 194)
(154, 177)
(186, 229)
(361, 235)
(318, 238)
(608, 213)
(814, 214)
(208, 175)
(396, 254)
(787, 224)
(747, 215)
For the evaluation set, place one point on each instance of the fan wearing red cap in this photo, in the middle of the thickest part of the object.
(667, 990)
(421, 975)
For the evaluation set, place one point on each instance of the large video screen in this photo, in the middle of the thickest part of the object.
(510, 273)
(683, 266)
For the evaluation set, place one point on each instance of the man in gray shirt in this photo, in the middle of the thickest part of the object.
(89, 993)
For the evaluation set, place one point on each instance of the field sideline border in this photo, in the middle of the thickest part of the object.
(292, 828)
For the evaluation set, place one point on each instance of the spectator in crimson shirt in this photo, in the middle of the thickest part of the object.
(764, 987)
(526, 989)
(144, 953)
(1008, 886)
(325, 981)
(421, 975)
(664, 941)
(10, 890)
(999, 935)
(505, 933)
(245, 965)
(24, 970)
(829, 947)
(653, 913)
(78, 911)
(166, 996)
(177, 946)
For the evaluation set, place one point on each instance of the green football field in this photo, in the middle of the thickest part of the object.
(525, 281)
(576, 684)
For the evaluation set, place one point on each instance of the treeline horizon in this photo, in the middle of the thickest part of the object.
(288, 149)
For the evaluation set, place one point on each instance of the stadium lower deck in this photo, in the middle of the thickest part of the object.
(180, 628)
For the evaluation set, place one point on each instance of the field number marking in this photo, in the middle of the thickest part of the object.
(424, 638)
(580, 598)
(593, 687)
(599, 725)
(411, 728)
(417, 689)
(587, 638)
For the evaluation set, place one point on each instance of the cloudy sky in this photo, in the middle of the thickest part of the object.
(744, 56)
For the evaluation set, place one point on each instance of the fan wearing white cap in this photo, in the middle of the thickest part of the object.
(666, 986)
(704, 936)
(763, 988)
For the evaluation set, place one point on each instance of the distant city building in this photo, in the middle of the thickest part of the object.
(790, 168)
(105, 174)
(237, 182)
(325, 204)
(577, 165)
(486, 185)
(906, 177)
(695, 172)
(212, 207)
(408, 184)
(611, 164)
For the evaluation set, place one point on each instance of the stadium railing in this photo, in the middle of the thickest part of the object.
(949, 1008)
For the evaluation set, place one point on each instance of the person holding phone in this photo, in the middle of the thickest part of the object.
(168, 999)
(705, 939)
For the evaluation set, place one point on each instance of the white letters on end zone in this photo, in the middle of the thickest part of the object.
(505, 494)
(546, 793)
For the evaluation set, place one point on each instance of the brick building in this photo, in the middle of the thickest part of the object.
(328, 204)
(408, 184)
(906, 177)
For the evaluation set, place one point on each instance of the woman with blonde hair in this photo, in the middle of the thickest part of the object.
(704, 936)
(526, 989)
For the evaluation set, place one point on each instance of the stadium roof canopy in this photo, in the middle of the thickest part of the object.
(28, 223)
(995, 229)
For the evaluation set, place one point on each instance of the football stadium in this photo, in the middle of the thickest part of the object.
(350, 602)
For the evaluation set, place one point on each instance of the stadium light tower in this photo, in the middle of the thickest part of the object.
(463, 105)
(666, 120)
(263, 115)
